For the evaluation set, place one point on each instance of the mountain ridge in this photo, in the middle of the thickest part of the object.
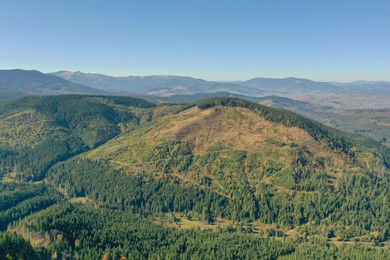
(18, 83)
(170, 85)
(159, 85)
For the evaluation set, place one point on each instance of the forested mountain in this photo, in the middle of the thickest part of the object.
(18, 83)
(257, 163)
(91, 177)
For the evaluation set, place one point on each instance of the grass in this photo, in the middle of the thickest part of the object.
(9, 177)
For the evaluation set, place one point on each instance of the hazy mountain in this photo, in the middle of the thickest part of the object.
(288, 85)
(17, 83)
(372, 95)
(253, 161)
(151, 85)
(177, 85)
(366, 87)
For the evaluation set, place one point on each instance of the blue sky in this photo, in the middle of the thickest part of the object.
(216, 40)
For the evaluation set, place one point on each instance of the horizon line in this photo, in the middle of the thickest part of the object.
(201, 78)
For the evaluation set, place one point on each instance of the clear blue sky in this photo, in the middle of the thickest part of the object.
(341, 40)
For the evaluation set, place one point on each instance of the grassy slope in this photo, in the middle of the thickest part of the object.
(235, 143)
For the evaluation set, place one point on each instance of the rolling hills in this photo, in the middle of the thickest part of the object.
(330, 103)
(89, 175)
(341, 96)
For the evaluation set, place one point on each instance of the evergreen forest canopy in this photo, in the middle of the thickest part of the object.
(89, 177)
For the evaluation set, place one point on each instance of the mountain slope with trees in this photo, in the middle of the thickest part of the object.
(270, 182)
(233, 159)
(37, 132)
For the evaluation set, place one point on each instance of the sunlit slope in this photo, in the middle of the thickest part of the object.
(231, 147)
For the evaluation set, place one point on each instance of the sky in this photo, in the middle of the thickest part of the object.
(325, 40)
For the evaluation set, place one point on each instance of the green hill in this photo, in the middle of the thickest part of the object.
(36, 132)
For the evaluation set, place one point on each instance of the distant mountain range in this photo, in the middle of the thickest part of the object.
(18, 83)
(152, 85)
(164, 86)
(361, 94)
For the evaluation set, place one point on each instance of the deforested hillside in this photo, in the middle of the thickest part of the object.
(231, 159)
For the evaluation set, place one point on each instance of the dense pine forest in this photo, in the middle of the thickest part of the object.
(94, 177)
(89, 233)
